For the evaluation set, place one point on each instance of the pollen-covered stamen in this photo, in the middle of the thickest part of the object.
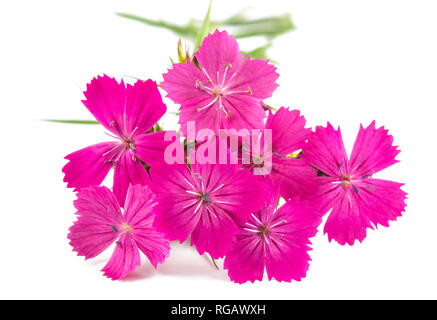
(126, 228)
(345, 180)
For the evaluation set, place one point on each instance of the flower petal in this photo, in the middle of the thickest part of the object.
(150, 147)
(139, 213)
(129, 170)
(244, 112)
(373, 151)
(214, 232)
(295, 177)
(257, 77)
(325, 151)
(176, 215)
(105, 99)
(98, 215)
(287, 251)
(87, 166)
(144, 106)
(245, 260)
(374, 202)
(217, 51)
(124, 259)
(288, 130)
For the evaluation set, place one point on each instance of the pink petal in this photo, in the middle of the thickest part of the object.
(180, 85)
(217, 51)
(208, 118)
(140, 212)
(373, 151)
(287, 254)
(245, 112)
(377, 202)
(325, 151)
(144, 106)
(295, 177)
(87, 166)
(124, 259)
(175, 215)
(239, 191)
(214, 232)
(98, 215)
(258, 77)
(105, 99)
(245, 261)
(129, 170)
(150, 147)
(288, 130)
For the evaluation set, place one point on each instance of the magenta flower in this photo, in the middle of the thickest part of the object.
(128, 112)
(288, 134)
(225, 90)
(277, 241)
(206, 202)
(101, 223)
(346, 185)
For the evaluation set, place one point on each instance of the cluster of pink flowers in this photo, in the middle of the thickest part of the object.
(228, 210)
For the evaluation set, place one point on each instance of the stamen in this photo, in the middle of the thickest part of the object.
(210, 211)
(223, 202)
(113, 228)
(218, 188)
(208, 105)
(192, 192)
(279, 223)
(256, 219)
(190, 204)
(198, 206)
(119, 244)
(207, 75)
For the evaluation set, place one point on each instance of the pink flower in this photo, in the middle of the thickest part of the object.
(100, 223)
(274, 240)
(206, 202)
(225, 90)
(286, 169)
(346, 185)
(128, 112)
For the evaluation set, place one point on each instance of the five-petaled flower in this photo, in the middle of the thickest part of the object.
(204, 201)
(346, 186)
(224, 90)
(275, 240)
(128, 112)
(101, 223)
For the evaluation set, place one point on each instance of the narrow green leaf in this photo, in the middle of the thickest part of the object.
(204, 30)
(189, 31)
(72, 121)
(269, 27)
(260, 52)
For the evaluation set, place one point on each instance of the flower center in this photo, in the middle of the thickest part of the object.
(263, 231)
(206, 198)
(126, 228)
(346, 180)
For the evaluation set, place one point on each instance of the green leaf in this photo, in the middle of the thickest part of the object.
(188, 31)
(204, 30)
(270, 27)
(72, 121)
(260, 52)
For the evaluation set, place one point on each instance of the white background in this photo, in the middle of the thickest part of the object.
(347, 62)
